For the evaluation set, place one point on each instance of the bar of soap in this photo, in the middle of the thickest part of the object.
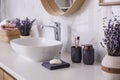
(55, 61)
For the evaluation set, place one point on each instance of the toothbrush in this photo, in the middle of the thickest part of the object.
(78, 38)
(75, 42)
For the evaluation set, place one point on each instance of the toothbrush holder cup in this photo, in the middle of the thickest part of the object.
(76, 54)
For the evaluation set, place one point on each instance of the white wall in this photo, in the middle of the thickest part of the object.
(86, 23)
(2, 10)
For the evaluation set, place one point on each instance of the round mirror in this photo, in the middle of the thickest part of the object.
(62, 7)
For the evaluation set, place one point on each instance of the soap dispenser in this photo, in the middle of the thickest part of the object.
(88, 54)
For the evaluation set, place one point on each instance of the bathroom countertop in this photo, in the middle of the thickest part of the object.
(23, 69)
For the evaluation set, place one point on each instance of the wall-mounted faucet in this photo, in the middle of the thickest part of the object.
(57, 30)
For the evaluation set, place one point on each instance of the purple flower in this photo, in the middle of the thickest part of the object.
(112, 35)
(24, 26)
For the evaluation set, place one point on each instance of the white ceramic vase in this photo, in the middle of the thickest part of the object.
(111, 67)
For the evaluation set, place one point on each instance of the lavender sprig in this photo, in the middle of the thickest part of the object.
(112, 35)
(24, 26)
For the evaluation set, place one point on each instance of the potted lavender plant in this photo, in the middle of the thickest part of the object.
(111, 62)
(24, 26)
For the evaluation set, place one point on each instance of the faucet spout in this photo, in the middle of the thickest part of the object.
(57, 30)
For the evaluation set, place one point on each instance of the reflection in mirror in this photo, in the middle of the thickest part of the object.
(64, 4)
(62, 7)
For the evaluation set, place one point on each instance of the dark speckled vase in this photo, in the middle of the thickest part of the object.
(88, 54)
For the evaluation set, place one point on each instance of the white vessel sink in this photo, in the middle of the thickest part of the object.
(36, 49)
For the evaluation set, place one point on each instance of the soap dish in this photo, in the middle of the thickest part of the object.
(47, 65)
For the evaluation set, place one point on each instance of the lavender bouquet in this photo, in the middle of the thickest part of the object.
(112, 35)
(24, 26)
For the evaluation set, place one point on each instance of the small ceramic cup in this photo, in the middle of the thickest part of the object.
(76, 54)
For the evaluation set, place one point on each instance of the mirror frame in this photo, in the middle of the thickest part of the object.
(102, 3)
(52, 8)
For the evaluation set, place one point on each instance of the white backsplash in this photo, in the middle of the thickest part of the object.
(86, 23)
